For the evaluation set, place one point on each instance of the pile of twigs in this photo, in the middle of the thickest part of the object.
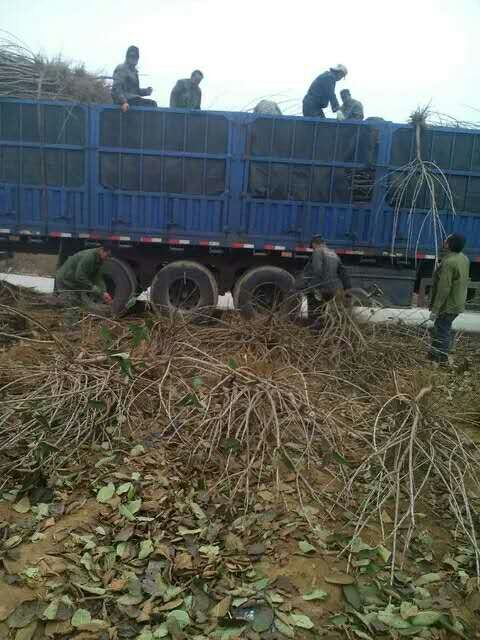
(245, 403)
(28, 75)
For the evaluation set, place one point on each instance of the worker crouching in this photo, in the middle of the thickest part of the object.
(324, 275)
(79, 281)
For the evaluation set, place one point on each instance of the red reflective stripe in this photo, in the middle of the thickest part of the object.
(146, 240)
(420, 256)
(241, 245)
(309, 249)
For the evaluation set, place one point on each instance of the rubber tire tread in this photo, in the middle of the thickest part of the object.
(124, 280)
(202, 276)
(262, 275)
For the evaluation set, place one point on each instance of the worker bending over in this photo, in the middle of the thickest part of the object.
(80, 280)
(322, 92)
(186, 94)
(351, 109)
(323, 276)
(449, 295)
(126, 86)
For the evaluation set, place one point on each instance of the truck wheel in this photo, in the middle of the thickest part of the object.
(121, 283)
(185, 286)
(266, 290)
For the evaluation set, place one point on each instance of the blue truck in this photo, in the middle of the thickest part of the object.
(197, 204)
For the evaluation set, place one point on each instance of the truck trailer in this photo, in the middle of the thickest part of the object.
(200, 203)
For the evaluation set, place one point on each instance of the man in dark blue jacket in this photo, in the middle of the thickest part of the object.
(322, 92)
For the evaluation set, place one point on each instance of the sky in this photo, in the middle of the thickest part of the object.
(399, 55)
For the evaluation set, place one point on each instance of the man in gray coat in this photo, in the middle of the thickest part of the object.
(126, 87)
(351, 109)
(323, 276)
(186, 94)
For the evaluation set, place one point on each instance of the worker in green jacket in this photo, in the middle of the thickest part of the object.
(449, 295)
(80, 280)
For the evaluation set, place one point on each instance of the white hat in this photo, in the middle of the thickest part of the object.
(341, 68)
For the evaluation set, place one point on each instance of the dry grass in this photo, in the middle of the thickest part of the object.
(245, 403)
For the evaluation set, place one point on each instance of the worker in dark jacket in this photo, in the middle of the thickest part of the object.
(322, 92)
(126, 87)
(186, 94)
(79, 279)
(351, 109)
(449, 295)
(323, 276)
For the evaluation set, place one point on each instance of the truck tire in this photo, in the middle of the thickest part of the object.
(187, 287)
(266, 290)
(121, 283)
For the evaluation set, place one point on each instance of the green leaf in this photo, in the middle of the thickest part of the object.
(51, 611)
(124, 488)
(428, 578)
(90, 588)
(408, 610)
(27, 632)
(146, 634)
(81, 617)
(106, 493)
(129, 509)
(301, 620)
(137, 450)
(284, 629)
(22, 506)
(317, 594)
(340, 459)
(161, 631)
(32, 573)
(181, 616)
(426, 618)
(209, 550)
(24, 614)
(338, 620)
(390, 618)
(232, 364)
(306, 547)
(262, 619)
(146, 548)
(197, 382)
(352, 596)
(362, 634)
(228, 633)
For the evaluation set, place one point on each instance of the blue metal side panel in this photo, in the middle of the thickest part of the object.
(269, 221)
(8, 206)
(41, 209)
(165, 215)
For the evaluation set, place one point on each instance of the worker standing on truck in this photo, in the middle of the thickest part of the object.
(449, 295)
(351, 109)
(126, 86)
(322, 92)
(186, 94)
(80, 280)
(323, 276)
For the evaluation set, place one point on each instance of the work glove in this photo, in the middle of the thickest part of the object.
(433, 316)
(107, 298)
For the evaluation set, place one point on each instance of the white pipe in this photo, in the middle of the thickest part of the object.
(411, 316)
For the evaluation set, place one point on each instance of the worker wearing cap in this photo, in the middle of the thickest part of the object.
(126, 86)
(322, 92)
(186, 94)
(323, 276)
(79, 279)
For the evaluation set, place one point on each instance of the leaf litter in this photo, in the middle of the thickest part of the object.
(182, 533)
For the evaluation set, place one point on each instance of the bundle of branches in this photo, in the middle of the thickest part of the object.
(28, 75)
(415, 181)
(416, 459)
